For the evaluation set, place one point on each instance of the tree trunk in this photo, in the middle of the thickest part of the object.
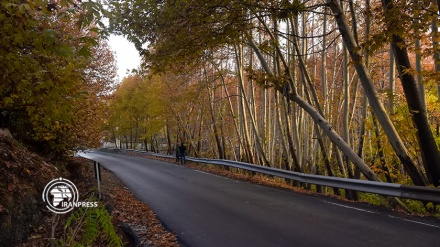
(246, 103)
(428, 147)
(292, 150)
(380, 153)
(280, 127)
(243, 122)
(170, 145)
(419, 71)
(363, 117)
(436, 46)
(392, 81)
(322, 123)
(364, 76)
(211, 95)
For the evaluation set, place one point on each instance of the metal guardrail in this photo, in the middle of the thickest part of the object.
(382, 188)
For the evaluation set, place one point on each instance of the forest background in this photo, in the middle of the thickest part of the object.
(338, 88)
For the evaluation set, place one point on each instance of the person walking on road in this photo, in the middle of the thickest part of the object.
(177, 153)
(182, 150)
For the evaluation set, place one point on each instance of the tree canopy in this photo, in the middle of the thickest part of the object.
(53, 85)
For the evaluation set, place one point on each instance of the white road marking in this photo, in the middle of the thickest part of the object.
(413, 221)
(371, 212)
(344, 206)
(211, 174)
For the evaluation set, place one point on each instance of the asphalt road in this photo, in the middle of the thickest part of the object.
(208, 210)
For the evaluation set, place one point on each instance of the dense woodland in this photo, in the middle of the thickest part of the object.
(339, 88)
(56, 73)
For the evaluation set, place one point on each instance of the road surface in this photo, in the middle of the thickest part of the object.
(208, 210)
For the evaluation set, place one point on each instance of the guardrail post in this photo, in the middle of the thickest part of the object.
(97, 168)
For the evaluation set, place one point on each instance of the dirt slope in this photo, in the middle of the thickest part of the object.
(23, 176)
(25, 220)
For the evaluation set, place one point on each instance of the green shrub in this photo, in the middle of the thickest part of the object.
(86, 226)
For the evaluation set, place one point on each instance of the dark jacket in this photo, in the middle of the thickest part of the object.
(182, 149)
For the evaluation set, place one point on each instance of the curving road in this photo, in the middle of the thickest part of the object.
(208, 210)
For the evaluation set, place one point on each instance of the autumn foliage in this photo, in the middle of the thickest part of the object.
(56, 72)
(341, 88)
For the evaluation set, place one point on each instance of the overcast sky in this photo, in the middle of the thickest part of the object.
(127, 56)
